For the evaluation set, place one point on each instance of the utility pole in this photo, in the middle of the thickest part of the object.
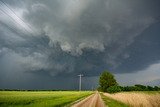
(80, 82)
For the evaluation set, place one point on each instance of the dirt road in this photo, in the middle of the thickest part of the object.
(91, 101)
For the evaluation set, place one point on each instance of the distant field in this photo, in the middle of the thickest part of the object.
(40, 98)
(137, 99)
(148, 92)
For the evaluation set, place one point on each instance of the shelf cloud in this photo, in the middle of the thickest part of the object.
(62, 38)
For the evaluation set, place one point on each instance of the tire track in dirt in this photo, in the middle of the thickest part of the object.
(94, 100)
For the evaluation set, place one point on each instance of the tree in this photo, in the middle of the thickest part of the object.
(141, 86)
(106, 80)
(156, 88)
(150, 88)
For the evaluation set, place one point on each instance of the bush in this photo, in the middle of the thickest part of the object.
(114, 89)
(156, 88)
(149, 88)
(142, 87)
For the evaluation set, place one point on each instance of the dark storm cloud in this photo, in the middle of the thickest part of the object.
(144, 51)
(68, 37)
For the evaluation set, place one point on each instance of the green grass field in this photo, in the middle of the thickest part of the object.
(40, 98)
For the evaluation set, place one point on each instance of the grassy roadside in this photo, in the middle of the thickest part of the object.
(40, 98)
(112, 103)
(137, 98)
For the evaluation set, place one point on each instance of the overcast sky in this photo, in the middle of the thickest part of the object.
(45, 44)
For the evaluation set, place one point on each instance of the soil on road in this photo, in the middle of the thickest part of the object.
(94, 100)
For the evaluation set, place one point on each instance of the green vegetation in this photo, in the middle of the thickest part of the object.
(40, 98)
(113, 89)
(106, 80)
(108, 84)
(139, 87)
(112, 103)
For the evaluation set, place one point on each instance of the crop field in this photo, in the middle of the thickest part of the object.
(137, 99)
(40, 98)
(112, 102)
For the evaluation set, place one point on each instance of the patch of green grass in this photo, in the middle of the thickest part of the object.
(112, 103)
(40, 98)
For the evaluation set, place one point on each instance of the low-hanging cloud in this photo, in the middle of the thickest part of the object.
(72, 36)
(99, 24)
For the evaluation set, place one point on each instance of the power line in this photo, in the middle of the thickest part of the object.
(14, 30)
(12, 18)
(17, 15)
(19, 19)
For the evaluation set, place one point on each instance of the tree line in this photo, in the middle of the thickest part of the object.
(107, 83)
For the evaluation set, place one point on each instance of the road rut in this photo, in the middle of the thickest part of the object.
(94, 100)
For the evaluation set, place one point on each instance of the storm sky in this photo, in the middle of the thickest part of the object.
(45, 44)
